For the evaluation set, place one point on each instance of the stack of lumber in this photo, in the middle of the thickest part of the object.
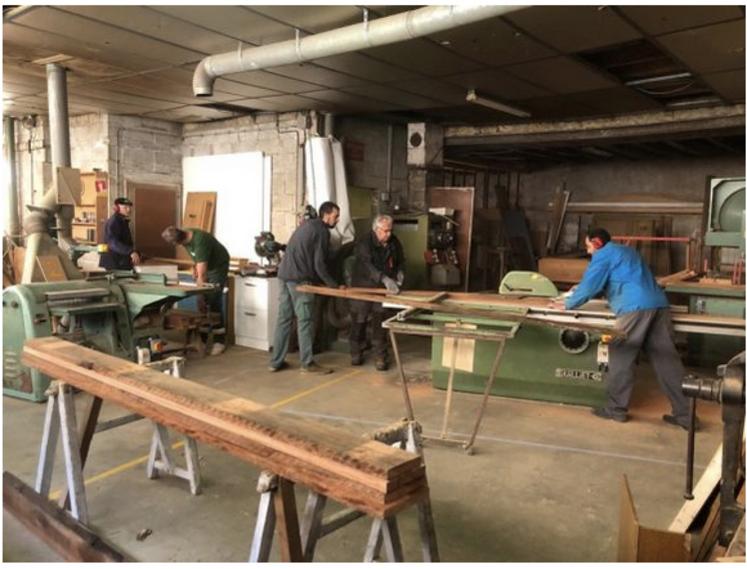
(366, 475)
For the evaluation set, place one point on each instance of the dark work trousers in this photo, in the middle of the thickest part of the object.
(214, 302)
(290, 303)
(361, 313)
(652, 331)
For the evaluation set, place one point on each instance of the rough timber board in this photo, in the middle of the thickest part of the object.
(56, 527)
(367, 475)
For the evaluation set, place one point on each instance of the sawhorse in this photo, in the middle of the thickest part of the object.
(60, 423)
(277, 508)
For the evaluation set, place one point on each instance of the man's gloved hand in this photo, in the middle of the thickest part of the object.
(400, 277)
(390, 284)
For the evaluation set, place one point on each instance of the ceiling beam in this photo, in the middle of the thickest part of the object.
(684, 149)
(635, 127)
(721, 145)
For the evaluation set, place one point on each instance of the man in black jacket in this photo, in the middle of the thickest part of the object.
(379, 262)
(119, 253)
(304, 262)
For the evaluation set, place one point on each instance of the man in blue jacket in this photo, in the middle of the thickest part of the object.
(642, 312)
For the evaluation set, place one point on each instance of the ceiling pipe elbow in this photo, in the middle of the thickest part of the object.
(384, 31)
(203, 80)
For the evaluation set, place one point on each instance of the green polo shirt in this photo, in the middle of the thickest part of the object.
(204, 248)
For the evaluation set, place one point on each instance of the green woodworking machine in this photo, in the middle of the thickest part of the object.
(539, 362)
(546, 363)
(725, 248)
(116, 314)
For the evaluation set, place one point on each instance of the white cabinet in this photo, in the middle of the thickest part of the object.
(255, 311)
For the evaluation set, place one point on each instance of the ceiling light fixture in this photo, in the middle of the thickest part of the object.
(658, 79)
(473, 97)
(693, 102)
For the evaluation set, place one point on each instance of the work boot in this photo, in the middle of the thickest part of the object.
(604, 413)
(315, 368)
(381, 364)
(683, 422)
(356, 360)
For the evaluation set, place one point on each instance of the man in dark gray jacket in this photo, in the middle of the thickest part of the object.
(379, 262)
(304, 262)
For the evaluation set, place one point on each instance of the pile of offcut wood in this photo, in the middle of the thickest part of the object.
(366, 475)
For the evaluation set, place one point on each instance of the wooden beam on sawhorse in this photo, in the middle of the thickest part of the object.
(300, 545)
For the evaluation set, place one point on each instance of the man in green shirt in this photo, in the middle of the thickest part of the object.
(211, 262)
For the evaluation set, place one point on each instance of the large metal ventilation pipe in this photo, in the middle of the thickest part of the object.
(59, 125)
(391, 29)
(14, 219)
(37, 223)
(59, 133)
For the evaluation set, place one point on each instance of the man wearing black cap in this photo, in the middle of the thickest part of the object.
(118, 251)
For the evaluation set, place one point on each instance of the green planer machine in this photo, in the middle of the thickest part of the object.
(115, 314)
(539, 362)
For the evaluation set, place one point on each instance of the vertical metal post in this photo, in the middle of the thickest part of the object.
(405, 392)
(450, 386)
(486, 394)
(690, 452)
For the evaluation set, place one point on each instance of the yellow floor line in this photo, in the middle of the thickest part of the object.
(140, 460)
(116, 470)
(314, 389)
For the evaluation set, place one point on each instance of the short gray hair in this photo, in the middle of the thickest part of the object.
(173, 235)
(380, 218)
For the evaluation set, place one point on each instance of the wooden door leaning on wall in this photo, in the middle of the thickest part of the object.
(154, 208)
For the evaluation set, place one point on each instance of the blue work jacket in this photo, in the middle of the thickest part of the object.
(622, 274)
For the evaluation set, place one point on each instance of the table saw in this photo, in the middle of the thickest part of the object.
(115, 313)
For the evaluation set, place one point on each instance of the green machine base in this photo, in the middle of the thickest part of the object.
(540, 362)
(533, 366)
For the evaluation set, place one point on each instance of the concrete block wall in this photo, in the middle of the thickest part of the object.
(372, 138)
(279, 136)
(32, 153)
(143, 150)
(88, 150)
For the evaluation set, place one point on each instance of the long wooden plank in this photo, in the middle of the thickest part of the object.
(369, 476)
(57, 528)
(461, 309)
(594, 308)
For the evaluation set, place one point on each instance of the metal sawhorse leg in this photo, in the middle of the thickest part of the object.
(161, 459)
(384, 532)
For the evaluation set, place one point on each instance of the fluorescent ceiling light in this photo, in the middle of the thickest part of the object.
(693, 102)
(472, 97)
(658, 79)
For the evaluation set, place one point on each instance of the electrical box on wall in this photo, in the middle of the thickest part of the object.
(425, 143)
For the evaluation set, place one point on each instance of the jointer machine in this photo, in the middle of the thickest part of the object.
(115, 314)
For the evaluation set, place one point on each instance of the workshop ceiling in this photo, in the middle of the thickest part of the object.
(557, 62)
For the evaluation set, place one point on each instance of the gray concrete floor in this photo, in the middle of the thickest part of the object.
(543, 485)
